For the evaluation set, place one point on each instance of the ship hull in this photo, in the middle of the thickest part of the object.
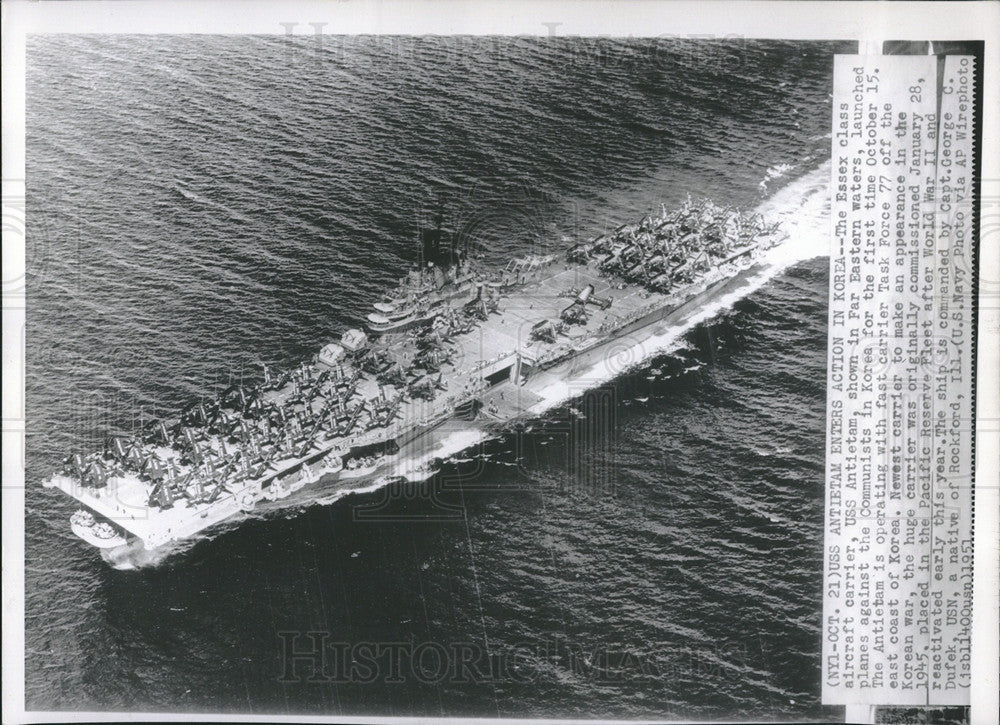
(657, 322)
(521, 402)
(519, 353)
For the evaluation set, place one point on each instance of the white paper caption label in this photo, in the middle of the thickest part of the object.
(898, 539)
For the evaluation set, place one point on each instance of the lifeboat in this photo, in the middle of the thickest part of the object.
(358, 468)
(247, 498)
(277, 490)
(332, 463)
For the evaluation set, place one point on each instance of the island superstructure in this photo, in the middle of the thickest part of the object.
(453, 344)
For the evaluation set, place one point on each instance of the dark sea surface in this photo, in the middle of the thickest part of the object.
(200, 205)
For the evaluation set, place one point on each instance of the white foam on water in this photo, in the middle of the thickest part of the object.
(416, 468)
(775, 172)
(803, 210)
(138, 558)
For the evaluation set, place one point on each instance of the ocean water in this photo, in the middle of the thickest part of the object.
(200, 205)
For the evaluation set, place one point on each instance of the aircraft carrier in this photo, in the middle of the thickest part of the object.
(453, 347)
